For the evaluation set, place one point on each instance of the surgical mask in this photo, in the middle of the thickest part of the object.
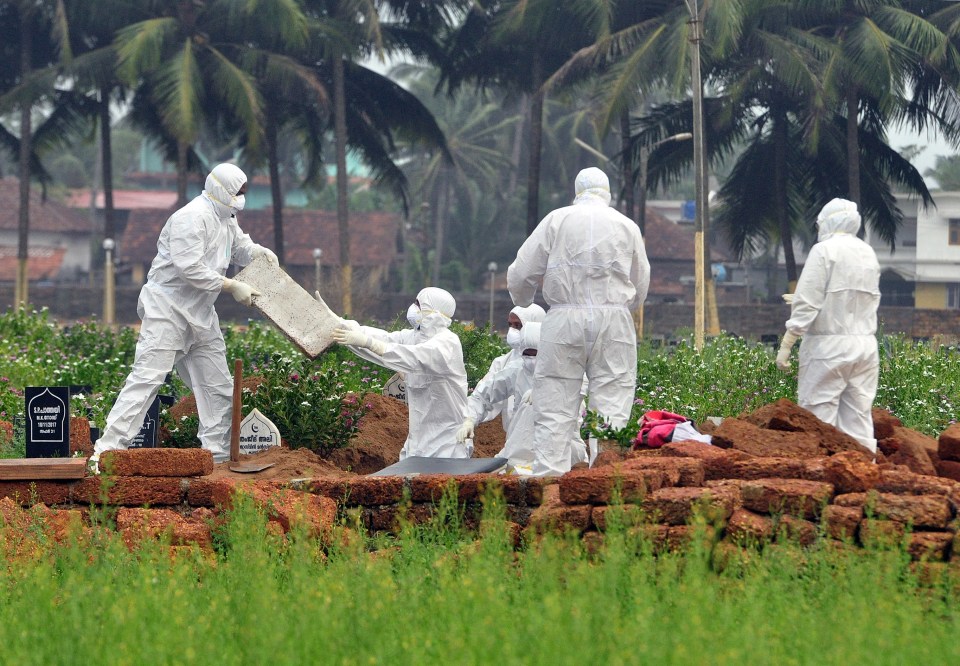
(513, 337)
(414, 315)
(529, 363)
(239, 202)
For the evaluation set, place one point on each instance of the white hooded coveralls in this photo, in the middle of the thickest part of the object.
(835, 310)
(180, 328)
(482, 410)
(593, 265)
(431, 359)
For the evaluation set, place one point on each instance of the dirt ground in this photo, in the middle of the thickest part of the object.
(377, 444)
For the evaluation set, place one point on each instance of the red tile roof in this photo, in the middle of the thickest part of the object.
(125, 199)
(46, 215)
(43, 263)
(372, 235)
(666, 240)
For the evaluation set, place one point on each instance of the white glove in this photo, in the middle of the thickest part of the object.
(466, 431)
(349, 324)
(783, 356)
(261, 251)
(241, 291)
(345, 336)
(788, 299)
(527, 398)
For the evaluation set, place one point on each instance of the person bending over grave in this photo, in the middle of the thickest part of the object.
(180, 328)
(513, 381)
(478, 406)
(431, 359)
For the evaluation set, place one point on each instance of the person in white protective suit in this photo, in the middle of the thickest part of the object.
(180, 328)
(482, 409)
(431, 359)
(834, 309)
(593, 265)
(511, 385)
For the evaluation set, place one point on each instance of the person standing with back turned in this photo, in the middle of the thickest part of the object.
(834, 308)
(593, 265)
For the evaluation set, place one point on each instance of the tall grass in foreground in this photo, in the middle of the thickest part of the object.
(433, 597)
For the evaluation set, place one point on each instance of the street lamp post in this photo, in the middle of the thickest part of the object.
(109, 304)
(700, 179)
(492, 269)
(317, 253)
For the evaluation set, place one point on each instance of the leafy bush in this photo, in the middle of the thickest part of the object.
(314, 404)
(480, 347)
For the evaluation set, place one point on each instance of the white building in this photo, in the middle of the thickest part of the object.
(924, 269)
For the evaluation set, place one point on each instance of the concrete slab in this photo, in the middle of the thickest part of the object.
(308, 323)
(422, 465)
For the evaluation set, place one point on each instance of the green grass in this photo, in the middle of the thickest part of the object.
(433, 596)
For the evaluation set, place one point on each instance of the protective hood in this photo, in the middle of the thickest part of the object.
(221, 188)
(592, 185)
(437, 306)
(529, 336)
(529, 314)
(840, 216)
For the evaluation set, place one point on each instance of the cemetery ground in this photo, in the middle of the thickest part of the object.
(781, 544)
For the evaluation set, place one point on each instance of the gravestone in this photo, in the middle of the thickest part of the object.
(48, 421)
(149, 432)
(396, 387)
(308, 322)
(257, 433)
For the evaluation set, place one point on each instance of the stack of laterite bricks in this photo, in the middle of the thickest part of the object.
(155, 492)
(383, 503)
(775, 474)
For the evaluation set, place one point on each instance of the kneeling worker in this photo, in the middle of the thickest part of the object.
(431, 358)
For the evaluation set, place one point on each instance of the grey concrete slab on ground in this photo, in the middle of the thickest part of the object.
(308, 323)
(422, 465)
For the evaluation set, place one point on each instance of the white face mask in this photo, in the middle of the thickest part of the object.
(239, 202)
(529, 364)
(513, 338)
(414, 316)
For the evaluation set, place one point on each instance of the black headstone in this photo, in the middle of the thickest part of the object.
(48, 421)
(147, 436)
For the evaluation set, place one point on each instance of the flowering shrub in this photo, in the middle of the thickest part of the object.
(318, 403)
(314, 404)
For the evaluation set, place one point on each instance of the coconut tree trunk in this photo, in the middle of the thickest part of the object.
(626, 143)
(21, 294)
(853, 150)
(276, 194)
(439, 214)
(106, 165)
(182, 148)
(536, 139)
(343, 221)
(780, 187)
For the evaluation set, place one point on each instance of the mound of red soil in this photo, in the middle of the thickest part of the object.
(383, 430)
(287, 464)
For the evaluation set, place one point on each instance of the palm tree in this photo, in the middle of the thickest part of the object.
(41, 35)
(515, 46)
(184, 60)
(465, 187)
(878, 52)
(367, 107)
